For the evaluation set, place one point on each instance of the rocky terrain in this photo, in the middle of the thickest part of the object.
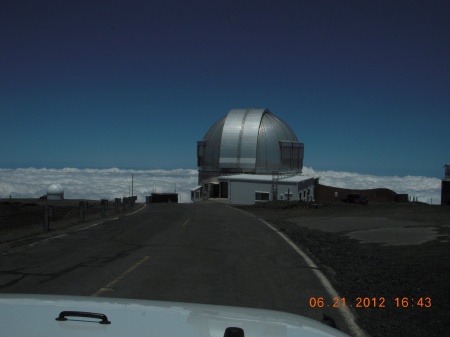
(376, 270)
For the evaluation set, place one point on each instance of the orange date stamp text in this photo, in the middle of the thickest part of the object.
(371, 302)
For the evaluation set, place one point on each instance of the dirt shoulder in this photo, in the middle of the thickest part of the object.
(374, 270)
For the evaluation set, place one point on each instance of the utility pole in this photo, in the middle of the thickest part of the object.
(132, 181)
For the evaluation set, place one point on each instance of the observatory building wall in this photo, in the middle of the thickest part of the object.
(248, 189)
(250, 145)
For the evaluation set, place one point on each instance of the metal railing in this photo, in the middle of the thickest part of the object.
(20, 219)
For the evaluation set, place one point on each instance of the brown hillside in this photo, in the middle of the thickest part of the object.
(326, 194)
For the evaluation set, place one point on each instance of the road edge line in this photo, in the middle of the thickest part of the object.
(345, 312)
(140, 209)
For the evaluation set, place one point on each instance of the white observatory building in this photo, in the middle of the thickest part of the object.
(55, 192)
(248, 156)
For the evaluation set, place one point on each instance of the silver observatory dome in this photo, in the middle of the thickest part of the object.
(248, 141)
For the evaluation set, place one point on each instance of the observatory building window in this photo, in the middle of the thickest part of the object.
(261, 196)
(297, 155)
(291, 155)
(286, 154)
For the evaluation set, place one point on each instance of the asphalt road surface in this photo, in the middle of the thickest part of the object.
(204, 253)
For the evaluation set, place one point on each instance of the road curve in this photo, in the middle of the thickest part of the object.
(204, 253)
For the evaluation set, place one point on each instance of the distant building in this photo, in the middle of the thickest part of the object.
(161, 197)
(55, 192)
(248, 189)
(196, 193)
(445, 187)
(253, 143)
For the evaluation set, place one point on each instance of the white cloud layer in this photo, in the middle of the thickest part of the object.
(96, 184)
(425, 189)
(116, 183)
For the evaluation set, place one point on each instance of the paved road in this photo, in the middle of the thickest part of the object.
(204, 252)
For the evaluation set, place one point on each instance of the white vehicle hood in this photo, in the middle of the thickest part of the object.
(35, 315)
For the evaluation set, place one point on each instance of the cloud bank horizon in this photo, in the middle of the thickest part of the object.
(113, 183)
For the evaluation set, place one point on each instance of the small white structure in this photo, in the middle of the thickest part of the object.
(248, 189)
(55, 192)
(196, 193)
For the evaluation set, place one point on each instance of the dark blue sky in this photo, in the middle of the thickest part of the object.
(134, 84)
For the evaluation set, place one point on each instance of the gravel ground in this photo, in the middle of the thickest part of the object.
(375, 270)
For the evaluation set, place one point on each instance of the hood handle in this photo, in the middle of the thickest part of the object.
(234, 332)
(102, 317)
